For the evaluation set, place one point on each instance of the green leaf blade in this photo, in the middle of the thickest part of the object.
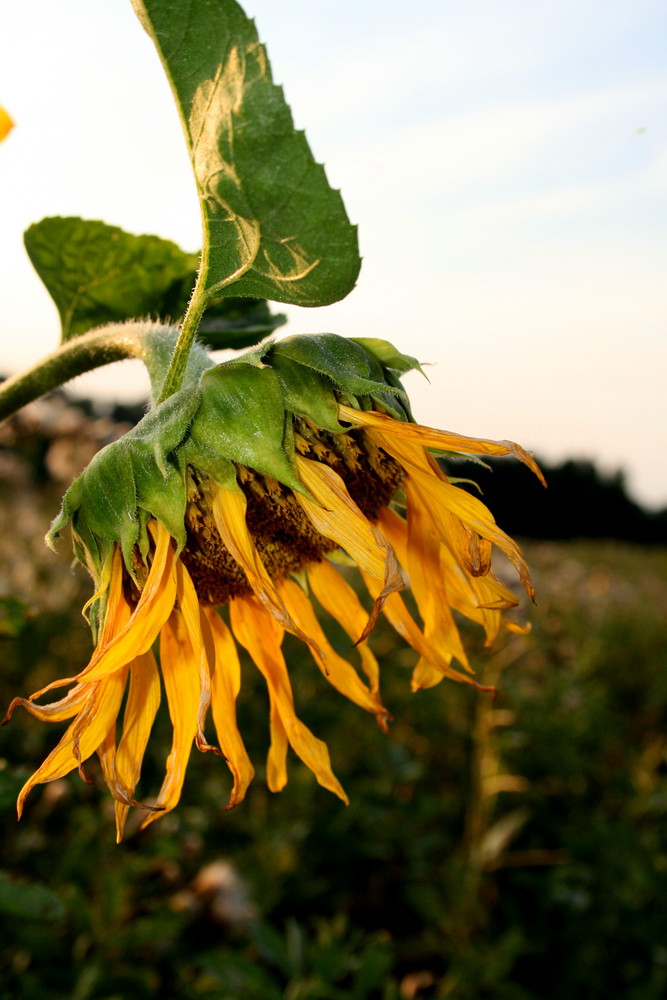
(273, 226)
(98, 274)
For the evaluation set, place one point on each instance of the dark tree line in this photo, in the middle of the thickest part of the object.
(580, 501)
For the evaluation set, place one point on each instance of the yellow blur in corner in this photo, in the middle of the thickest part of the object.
(6, 124)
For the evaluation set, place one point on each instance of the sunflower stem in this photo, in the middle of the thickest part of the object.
(103, 346)
(186, 338)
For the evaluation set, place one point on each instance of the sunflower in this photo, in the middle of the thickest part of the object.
(219, 518)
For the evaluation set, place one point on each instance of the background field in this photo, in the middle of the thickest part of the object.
(510, 849)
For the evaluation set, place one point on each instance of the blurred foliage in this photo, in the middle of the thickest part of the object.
(513, 849)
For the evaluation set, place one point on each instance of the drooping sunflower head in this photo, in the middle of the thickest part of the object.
(240, 492)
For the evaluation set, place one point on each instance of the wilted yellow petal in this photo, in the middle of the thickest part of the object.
(84, 735)
(257, 631)
(418, 549)
(456, 516)
(57, 711)
(430, 437)
(425, 675)
(336, 516)
(225, 686)
(337, 671)
(143, 701)
(180, 672)
(127, 634)
(438, 497)
(116, 616)
(188, 604)
(267, 646)
(481, 599)
(338, 598)
(276, 758)
(229, 511)
(152, 610)
(433, 665)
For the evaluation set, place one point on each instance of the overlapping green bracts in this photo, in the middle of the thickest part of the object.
(240, 412)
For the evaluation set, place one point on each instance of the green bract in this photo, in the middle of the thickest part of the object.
(237, 413)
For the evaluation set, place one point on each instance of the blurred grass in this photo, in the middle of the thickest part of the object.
(513, 849)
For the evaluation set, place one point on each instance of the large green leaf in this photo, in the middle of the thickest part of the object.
(273, 227)
(98, 274)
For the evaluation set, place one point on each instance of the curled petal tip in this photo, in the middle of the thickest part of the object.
(10, 711)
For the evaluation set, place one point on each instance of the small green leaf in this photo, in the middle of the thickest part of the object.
(273, 226)
(99, 274)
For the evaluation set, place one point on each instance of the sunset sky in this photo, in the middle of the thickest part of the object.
(506, 163)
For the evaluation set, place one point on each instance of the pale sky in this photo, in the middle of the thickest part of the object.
(506, 163)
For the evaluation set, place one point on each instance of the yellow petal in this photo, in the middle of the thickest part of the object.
(425, 675)
(84, 735)
(188, 603)
(57, 711)
(125, 633)
(180, 672)
(481, 599)
(241, 619)
(419, 551)
(152, 610)
(258, 632)
(116, 616)
(225, 686)
(430, 437)
(456, 515)
(336, 516)
(338, 598)
(435, 665)
(276, 758)
(337, 671)
(229, 511)
(143, 701)
(440, 498)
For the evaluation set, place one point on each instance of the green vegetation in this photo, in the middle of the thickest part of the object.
(513, 849)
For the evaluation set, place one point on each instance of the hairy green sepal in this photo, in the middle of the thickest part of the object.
(238, 413)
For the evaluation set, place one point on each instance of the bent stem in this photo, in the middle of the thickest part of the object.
(103, 346)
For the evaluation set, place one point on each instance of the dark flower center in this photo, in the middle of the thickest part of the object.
(285, 538)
